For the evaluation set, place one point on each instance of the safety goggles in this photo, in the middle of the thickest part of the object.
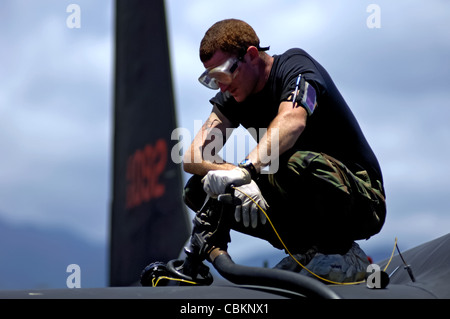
(224, 74)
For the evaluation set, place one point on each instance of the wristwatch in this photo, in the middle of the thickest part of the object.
(248, 165)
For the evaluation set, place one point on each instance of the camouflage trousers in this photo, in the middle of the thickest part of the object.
(314, 201)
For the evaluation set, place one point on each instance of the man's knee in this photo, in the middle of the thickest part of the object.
(193, 194)
(328, 195)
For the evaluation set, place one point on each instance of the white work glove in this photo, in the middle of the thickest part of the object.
(248, 211)
(216, 182)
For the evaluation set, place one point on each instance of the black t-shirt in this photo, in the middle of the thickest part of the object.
(331, 128)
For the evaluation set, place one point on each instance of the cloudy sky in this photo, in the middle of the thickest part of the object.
(56, 100)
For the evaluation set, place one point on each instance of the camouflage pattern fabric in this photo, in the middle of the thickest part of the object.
(360, 201)
(314, 201)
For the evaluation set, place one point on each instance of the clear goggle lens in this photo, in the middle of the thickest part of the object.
(223, 74)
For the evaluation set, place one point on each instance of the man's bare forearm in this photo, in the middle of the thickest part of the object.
(204, 167)
(202, 156)
(281, 135)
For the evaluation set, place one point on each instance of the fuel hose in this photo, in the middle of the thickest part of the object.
(269, 277)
